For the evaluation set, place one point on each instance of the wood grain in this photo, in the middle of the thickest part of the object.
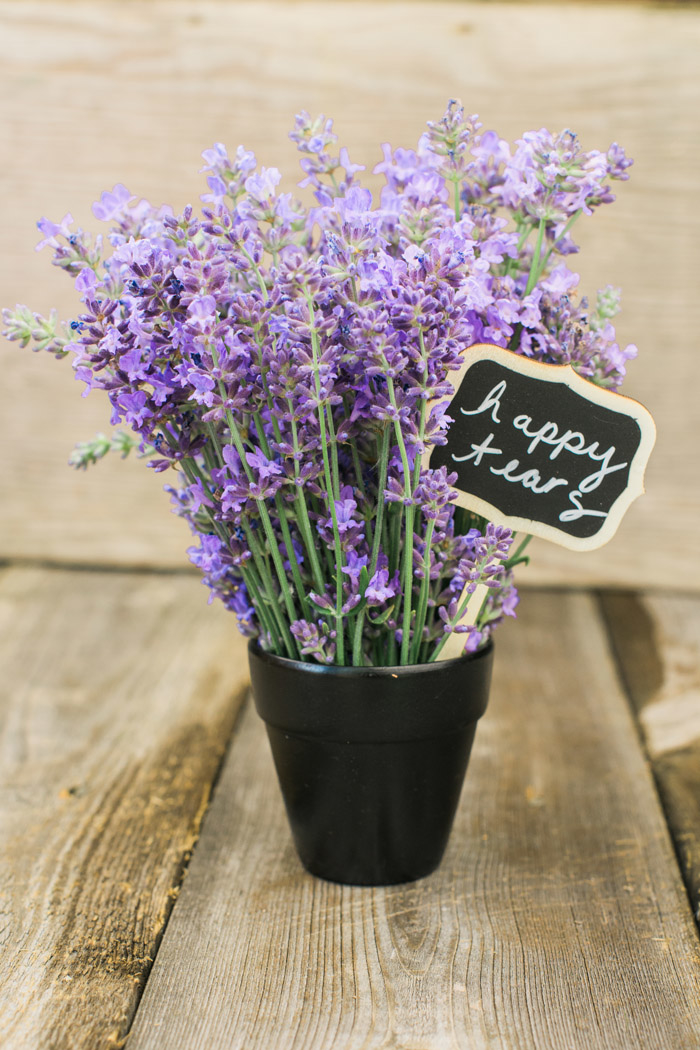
(95, 93)
(657, 641)
(118, 696)
(558, 918)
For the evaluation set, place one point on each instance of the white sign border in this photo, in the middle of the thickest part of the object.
(563, 374)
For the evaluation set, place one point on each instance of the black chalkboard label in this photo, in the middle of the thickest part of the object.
(540, 449)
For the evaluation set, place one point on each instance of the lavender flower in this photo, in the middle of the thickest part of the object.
(289, 364)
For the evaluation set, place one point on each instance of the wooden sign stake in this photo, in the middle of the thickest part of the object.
(454, 646)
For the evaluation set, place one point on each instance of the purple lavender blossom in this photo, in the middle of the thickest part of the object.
(261, 187)
(355, 563)
(86, 282)
(111, 205)
(380, 589)
(290, 362)
(52, 230)
(264, 467)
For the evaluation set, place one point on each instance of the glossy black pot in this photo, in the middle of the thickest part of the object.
(370, 760)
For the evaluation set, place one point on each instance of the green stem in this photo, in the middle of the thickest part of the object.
(535, 266)
(516, 558)
(266, 618)
(260, 504)
(307, 535)
(256, 268)
(422, 606)
(335, 471)
(214, 437)
(291, 557)
(304, 522)
(430, 620)
(355, 454)
(381, 486)
(266, 576)
(358, 473)
(260, 431)
(423, 413)
(260, 599)
(478, 619)
(423, 597)
(563, 233)
(395, 514)
(192, 471)
(279, 503)
(340, 640)
(277, 560)
(510, 263)
(326, 551)
(409, 513)
(441, 644)
(284, 526)
(374, 558)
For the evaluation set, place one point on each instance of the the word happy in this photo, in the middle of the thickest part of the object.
(540, 449)
(548, 434)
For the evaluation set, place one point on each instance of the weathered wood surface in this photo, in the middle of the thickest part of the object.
(657, 641)
(118, 696)
(95, 93)
(558, 918)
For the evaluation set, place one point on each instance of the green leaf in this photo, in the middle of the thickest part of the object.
(383, 618)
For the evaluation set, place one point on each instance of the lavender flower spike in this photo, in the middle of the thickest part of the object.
(287, 364)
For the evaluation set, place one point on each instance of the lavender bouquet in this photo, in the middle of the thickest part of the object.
(289, 363)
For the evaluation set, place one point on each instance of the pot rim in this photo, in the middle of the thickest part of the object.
(370, 704)
(378, 671)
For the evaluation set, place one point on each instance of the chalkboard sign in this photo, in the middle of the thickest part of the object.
(540, 449)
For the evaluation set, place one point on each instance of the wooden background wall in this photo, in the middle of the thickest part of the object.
(97, 93)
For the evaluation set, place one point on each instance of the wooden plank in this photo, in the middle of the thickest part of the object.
(118, 697)
(657, 642)
(558, 918)
(100, 92)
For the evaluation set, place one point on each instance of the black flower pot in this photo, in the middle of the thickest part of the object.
(370, 760)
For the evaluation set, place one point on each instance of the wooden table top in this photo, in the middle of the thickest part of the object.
(149, 883)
